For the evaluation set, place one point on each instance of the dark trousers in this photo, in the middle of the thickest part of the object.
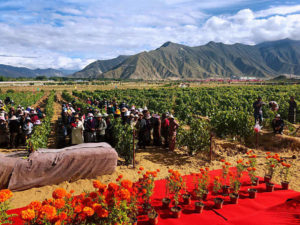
(13, 140)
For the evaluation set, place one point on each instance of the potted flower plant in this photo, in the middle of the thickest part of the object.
(217, 186)
(153, 217)
(252, 170)
(285, 175)
(186, 196)
(271, 164)
(175, 186)
(166, 200)
(225, 170)
(235, 185)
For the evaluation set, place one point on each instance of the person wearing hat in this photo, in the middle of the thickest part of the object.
(149, 127)
(90, 128)
(292, 110)
(4, 132)
(117, 113)
(165, 123)
(34, 117)
(11, 112)
(172, 132)
(100, 128)
(14, 130)
(141, 127)
(258, 114)
(277, 125)
(77, 131)
(156, 123)
(27, 128)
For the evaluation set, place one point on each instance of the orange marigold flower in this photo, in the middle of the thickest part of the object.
(217, 178)
(78, 209)
(72, 191)
(120, 176)
(5, 194)
(126, 184)
(253, 168)
(96, 184)
(59, 203)
(272, 165)
(63, 216)
(28, 215)
(158, 170)
(222, 160)
(35, 205)
(228, 163)
(207, 168)
(58, 222)
(144, 191)
(113, 187)
(124, 194)
(170, 171)
(268, 153)
(48, 212)
(59, 193)
(117, 180)
(139, 172)
(88, 211)
(288, 165)
(141, 168)
(249, 168)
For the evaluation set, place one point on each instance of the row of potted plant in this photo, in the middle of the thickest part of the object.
(122, 201)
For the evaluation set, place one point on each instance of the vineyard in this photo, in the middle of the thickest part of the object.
(215, 122)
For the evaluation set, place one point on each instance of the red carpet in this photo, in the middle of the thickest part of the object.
(277, 208)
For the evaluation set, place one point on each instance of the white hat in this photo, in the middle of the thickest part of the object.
(98, 115)
(37, 122)
(145, 108)
(2, 118)
(127, 113)
(278, 115)
(171, 116)
(90, 115)
(13, 118)
(136, 116)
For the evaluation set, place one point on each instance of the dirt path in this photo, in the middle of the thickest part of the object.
(54, 138)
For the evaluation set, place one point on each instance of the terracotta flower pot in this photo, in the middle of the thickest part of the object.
(269, 187)
(219, 203)
(204, 196)
(176, 211)
(199, 206)
(252, 193)
(285, 185)
(153, 218)
(226, 189)
(234, 198)
(166, 203)
(255, 182)
(186, 199)
(267, 179)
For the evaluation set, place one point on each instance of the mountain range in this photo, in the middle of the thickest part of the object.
(14, 72)
(176, 61)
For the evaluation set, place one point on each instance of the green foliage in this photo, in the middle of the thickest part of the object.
(39, 138)
(23, 98)
(196, 138)
(122, 139)
(232, 123)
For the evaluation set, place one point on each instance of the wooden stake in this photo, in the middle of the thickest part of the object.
(133, 163)
(210, 147)
(256, 140)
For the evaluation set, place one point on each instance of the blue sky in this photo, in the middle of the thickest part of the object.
(73, 33)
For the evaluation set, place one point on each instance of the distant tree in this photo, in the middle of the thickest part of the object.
(41, 78)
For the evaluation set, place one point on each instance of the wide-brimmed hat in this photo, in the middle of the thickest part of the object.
(127, 113)
(278, 116)
(118, 112)
(98, 115)
(90, 115)
(2, 118)
(171, 116)
(13, 118)
(37, 122)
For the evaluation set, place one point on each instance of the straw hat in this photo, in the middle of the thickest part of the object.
(98, 115)
(171, 116)
(278, 115)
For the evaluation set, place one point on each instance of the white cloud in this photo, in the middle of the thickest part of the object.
(71, 36)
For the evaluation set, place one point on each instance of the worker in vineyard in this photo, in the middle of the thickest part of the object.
(292, 110)
(90, 128)
(4, 132)
(165, 123)
(277, 124)
(14, 130)
(156, 130)
(100, 128)
(77, 131)
(273, 106)
(258, 114)
(172, 132)
(148, 138)
(141, 127)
